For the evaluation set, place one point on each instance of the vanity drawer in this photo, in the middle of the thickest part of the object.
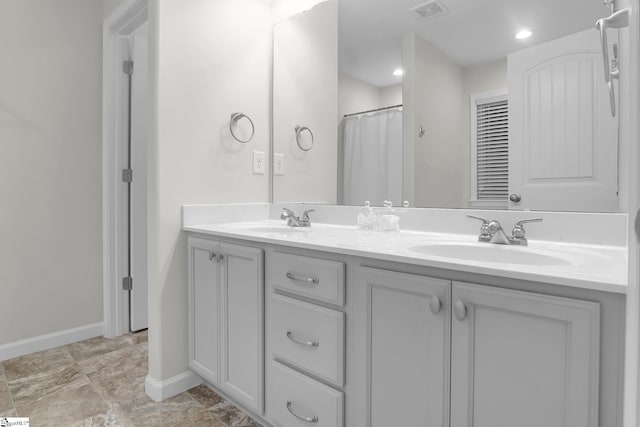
(307, 336)
(295, 400)
(315, 278)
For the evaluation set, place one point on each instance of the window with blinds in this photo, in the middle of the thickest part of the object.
(490, 146)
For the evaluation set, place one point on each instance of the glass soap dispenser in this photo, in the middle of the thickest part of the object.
(388, 220)
(367, 218)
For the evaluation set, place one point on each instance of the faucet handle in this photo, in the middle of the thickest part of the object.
(484, 220)
(484, 228)
(518, 232)
(286, 213)
(305, 214)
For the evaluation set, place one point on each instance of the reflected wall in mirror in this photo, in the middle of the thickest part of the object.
(487, 120)
(305, 90)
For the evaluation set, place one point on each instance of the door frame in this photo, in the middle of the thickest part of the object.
(121, 23)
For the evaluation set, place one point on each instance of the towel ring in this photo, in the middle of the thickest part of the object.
(299, 130)
(235, 118)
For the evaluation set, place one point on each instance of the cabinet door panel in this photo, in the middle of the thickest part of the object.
(408, 340)
(203, 301)
(242, 324)
(523, 359)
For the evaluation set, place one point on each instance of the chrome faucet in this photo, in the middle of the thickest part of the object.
(293, 220)
(491, 231)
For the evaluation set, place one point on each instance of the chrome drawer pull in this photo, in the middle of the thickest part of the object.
(314, 343)
(306, 419)
(311, 280)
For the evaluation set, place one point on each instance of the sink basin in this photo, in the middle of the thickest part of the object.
(492, 253)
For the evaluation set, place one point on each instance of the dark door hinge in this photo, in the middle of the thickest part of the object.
(127, 283)
(127, 175)
(127, 67)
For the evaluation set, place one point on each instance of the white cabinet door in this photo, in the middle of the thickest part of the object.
(563, 142)
(408, 329)
(523, 359)
(226, 341)
(242, 339)
(204, 300)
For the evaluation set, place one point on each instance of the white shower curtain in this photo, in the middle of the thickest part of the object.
(372, 149)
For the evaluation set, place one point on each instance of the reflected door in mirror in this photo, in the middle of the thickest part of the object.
(563, 140)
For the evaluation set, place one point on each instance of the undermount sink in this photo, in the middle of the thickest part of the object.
(492, 253)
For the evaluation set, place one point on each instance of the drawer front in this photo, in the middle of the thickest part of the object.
(308, 336)
(311, 277)
(295, 400)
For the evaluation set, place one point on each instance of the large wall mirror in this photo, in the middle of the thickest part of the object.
(448, 104)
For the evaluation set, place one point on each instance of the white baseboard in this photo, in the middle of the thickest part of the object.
(161, 390)
(48, 341)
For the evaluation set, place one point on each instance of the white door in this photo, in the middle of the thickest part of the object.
(242, 324)
(523, 359)
(138, 297)
(563, 143)
(204, 308)
(408, 340)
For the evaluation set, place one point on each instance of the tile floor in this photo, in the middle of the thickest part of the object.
(100, 382)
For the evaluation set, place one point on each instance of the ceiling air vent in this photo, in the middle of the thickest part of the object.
(429, 9)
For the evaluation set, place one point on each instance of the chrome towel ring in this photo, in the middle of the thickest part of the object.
(235, 118)
(299, 130)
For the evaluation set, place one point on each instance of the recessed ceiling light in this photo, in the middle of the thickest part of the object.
(398, 72)
(523, 34)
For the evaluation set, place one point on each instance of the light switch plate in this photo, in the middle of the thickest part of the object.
(278, 164)
(259, 162)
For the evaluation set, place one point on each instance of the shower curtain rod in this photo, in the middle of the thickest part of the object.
(372, 111)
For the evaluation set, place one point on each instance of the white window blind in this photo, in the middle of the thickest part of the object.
(492, 150)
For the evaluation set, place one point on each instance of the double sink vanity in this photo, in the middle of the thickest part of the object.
(328, 325)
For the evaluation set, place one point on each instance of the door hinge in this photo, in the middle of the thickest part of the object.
(127, 67)
(127, 283)
(127, 175)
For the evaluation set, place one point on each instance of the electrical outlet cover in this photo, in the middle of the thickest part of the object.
(259, 160)
(278, 164)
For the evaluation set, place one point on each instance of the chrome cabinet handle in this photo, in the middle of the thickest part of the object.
(460, 310)
(314, 343)
(434, 304)
(220, 257)
(212, 256)
(313, 419)
(313, 280)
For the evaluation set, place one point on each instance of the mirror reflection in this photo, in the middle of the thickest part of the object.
(488, 104)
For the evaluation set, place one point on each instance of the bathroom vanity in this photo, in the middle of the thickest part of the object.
(332, 326)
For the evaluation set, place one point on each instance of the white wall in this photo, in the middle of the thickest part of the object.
(434, 99)
(50, 166)
(284, 9)
(391, 95)
(208, 60)
(354, 95)
(305, 93)
(108, 6)
(436, 94)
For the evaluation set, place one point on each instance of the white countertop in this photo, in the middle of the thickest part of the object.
(597, 267)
